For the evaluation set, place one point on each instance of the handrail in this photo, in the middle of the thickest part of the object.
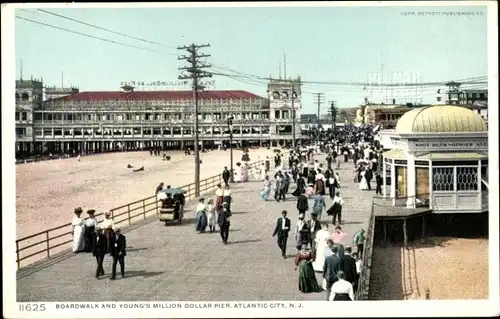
(419, 200)
(363, 292)
(128, 213)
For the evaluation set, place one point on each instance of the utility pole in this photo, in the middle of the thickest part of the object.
(293, 117)
(195, 73)
(319, 100)
(333, 112)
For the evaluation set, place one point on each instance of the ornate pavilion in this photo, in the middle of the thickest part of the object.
(439, 161)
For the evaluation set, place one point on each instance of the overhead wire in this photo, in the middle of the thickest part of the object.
(105, 29)
(221, 69)
(89, 36)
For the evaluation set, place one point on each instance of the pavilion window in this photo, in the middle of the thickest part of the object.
(47, 132)
(286, 114)
(128, 117)
(17, 116)
(38, 132)
(57, 132)
(77, 132)
(467, 179)
(24, 116)
(277, 114)
(58, 117)
(442, 179)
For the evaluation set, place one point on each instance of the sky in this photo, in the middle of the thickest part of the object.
(329, 44)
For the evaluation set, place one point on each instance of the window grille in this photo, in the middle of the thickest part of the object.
(442, 179)
(467, 179)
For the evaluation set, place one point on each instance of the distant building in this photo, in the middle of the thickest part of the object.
(55, 92)
(87, 122)
(455, 95)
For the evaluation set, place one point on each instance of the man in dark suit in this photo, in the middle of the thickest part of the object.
(282, 228)
(348, 266)
(226, 175)
(330, 268)
(302, 203)
(314, 226)
(223, 221)
(99, 250)
(378, 179)
(369, 177)
(118, 253)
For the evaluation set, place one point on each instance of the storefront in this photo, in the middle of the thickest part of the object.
(440, 158)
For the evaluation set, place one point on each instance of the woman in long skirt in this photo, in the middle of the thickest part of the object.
(219, 197)
(226, 197)
(78, 228)
(211, 216)
(267, 189)
(201, 216)
(307, 277)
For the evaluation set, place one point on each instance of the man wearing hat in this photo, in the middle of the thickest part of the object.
(107, 226)
(223, 221)
(282, 229)
(348, 266)
(90, 224)
(118, 253)
(99, 250)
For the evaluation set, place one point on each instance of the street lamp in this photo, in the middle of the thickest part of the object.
(230, 125)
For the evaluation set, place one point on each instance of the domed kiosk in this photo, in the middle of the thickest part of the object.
(439, 160)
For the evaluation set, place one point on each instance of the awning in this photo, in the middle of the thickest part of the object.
(395, 154)
(454, 156)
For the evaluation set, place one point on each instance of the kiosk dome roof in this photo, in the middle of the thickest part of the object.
(441, 119)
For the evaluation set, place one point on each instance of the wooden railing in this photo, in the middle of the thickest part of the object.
(52, 241)
(363, 292)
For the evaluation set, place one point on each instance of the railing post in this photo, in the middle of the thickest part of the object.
(128, 212)
(17, 254)
(48, 243)
(156, 204)
(144, 207)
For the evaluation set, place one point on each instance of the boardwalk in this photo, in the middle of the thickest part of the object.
(175, 263)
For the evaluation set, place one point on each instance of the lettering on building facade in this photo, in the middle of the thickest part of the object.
(451, 145)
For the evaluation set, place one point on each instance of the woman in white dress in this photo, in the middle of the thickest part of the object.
(211, 215)
(321, 239)
(363, 185)
(237, 174)
(263, 171)
(78, 225)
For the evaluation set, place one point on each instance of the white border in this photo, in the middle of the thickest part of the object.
(317, 309)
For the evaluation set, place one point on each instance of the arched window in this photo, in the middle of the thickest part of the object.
(294, 94)
(285, 94)
(18, 97)
(276, 95)
(25, 97)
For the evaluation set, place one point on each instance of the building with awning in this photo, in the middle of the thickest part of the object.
(439, 161)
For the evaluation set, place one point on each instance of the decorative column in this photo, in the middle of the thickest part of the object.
(384, 177)
(479, 179)
(411, 182)
(393, 180)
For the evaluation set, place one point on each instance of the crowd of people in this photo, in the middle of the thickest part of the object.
(318, 249)
(100, 240)
(320, 245)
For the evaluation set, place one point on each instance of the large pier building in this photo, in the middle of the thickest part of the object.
(69, 120)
